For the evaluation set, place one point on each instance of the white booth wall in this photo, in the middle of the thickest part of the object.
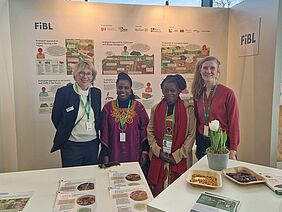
(256, 80)
(8, 145)
(27, 145)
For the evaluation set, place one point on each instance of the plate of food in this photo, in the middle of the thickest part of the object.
(138, 195)
(243, 175)
(204, 178)
(133, 177)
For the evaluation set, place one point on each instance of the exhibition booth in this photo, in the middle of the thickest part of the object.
(41, 42)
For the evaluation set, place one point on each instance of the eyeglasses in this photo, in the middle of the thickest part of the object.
(83, 74)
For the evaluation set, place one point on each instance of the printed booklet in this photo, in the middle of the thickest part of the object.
(14, 202)
(121, 179)
(76, 195)
(130, 199)
(274, 182)
(209, 202)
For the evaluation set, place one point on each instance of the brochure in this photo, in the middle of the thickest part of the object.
(12, 202)
(121, 179)
(209, 202)
(75, 201)
(76, 196)
(274, 182)
(130, 199)
(77, 185)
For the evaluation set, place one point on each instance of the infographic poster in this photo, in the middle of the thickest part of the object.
(78, 49)
(181, 58)
(47, 89)
(49, 57)
(129, 57)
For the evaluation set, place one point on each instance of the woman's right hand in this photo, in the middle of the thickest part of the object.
(164, 156)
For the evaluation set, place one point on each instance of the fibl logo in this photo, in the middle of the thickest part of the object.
(43, 26)
(248, 39)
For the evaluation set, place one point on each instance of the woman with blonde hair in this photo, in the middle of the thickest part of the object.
(76, 115)
(212, 100)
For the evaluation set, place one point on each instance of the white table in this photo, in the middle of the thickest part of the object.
(45, 183)
(181, 196)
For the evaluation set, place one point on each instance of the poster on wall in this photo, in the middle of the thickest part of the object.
(127, 56)
(181, 58)
(46, 91)
(78, 49)
(49, 57)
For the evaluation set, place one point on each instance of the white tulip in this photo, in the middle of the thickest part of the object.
(214, 125)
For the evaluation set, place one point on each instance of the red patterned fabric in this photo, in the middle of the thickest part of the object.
(156, 171)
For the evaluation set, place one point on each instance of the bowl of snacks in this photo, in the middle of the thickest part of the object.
(204, 178)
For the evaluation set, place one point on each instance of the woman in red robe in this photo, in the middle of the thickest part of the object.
(171, 135)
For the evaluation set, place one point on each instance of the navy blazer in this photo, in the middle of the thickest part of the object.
(65, 110)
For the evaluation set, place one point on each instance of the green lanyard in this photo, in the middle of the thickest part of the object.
(172, 127)
(86, 106)
(123, 122)
(207, 114)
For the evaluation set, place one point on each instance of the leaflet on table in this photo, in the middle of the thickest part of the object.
(209, 202)
(274, 182)
(77, 185)
(120, 179)
(13, 202)
(133, 199)
(75, 201)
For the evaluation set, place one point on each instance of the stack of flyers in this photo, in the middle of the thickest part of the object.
(133, 199)
(76, 196)
(120, 179)
(274, 182)
(209, 202)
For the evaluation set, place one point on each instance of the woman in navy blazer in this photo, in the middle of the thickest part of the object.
(76, 115)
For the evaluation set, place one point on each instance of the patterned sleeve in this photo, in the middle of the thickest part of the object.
(105, 125)
(143, 123)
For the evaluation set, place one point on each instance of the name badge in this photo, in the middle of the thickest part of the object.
(69, 109)
(206, 130)
(122, 137)
(89, 126)
(167, 146)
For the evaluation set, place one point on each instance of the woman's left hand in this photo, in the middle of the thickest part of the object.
(232, 155)
(144, 158)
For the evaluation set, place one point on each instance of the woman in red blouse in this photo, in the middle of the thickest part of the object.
(213, 100)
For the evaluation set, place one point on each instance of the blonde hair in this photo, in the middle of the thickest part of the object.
(198, 82)
(82, 65)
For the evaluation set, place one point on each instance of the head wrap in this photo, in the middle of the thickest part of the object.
(124, 76)
(178, 79)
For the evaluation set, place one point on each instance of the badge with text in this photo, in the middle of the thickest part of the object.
(167, 146)
(89, 126)
(122, 137)
(70, 109)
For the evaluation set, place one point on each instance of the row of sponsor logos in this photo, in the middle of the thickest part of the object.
(152, 29)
